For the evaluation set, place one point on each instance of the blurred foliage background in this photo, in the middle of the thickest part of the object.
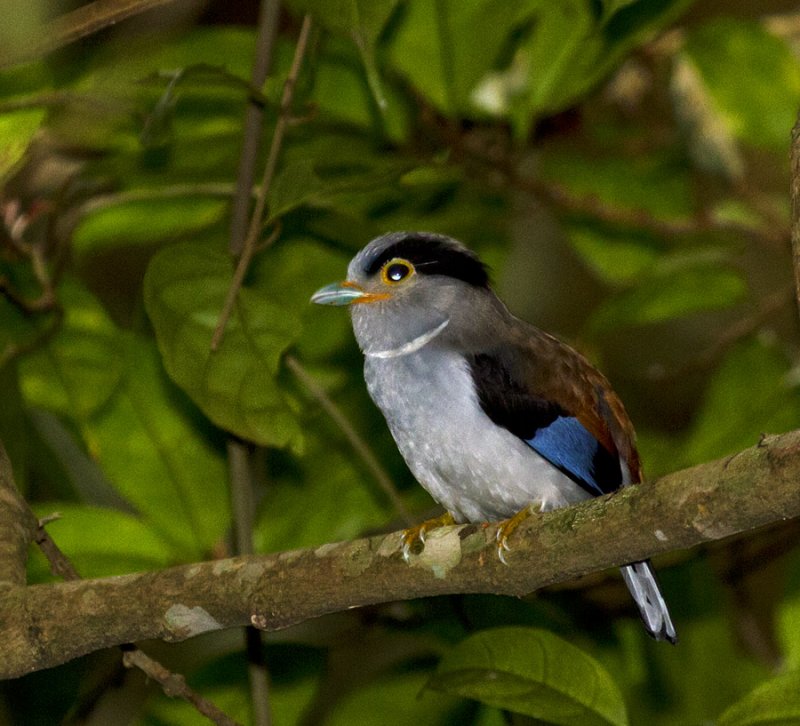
(623, 167)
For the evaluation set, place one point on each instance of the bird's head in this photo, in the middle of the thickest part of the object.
(405, 285)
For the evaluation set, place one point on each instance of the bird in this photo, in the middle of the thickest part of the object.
(493, 416)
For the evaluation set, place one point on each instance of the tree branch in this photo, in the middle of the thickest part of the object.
(795, 198)
(77, 24)
(44, 625)
(17, 528)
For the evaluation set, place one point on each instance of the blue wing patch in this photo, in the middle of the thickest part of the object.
(566, 444)
(545, 426)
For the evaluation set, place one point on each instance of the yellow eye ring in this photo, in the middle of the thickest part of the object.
(396, 270)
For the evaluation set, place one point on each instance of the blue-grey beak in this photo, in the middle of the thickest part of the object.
(344, 293)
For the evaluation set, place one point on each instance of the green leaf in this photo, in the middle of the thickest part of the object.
(655, 183)
(752, 76)
(291, 273)
(616, 256)
(788, 626)
(774, 703)
(16, 130)
(693, 682)
(361, 20)
(678, 285)
(147, 221)
(710, 140)
(435, 46)
(236, 386)
(63, 457)
(340, 93)
(573, 46)
(751, 393)
(533, 672)
(77, 369)
(301, 182)
(346, 503)
(562, 30)
(102, 542)
(205, 45)
(161, 457)
(400, 700)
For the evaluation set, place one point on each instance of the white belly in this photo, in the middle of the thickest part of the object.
(475, 469)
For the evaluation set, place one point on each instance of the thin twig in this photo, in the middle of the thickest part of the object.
(266, 182)
(795, 197)
(77, 24)
(174, 685)
(356, 440)
(240, 456)
(254, 115)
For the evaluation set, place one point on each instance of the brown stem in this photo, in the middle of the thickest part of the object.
(256, 220)
(174, 685)
(795, 197)
(79, 23)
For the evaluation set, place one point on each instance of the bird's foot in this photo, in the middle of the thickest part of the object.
(506, 528)
(416, 534)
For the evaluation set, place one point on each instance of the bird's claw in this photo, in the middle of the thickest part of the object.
(501, 538)
(413, 538)
(504, 531)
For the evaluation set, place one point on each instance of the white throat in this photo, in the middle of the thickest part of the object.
(411, 346)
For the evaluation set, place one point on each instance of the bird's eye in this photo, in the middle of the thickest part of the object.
(396, 271)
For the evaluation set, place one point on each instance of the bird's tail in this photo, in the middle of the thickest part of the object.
(641, 581)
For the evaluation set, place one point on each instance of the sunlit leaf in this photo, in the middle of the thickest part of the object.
(617, 256)
(102, 542)
(753, 77)
(571, 47)
(236, 386)
(340, 93)
(751, 393)
(16, 130)
(154, 449)
(146, 222)
(435, 47)
(361, 20)
(561, 30)
(77, 369)
(774, 703)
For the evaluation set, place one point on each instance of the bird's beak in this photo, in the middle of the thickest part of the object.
(345, 293)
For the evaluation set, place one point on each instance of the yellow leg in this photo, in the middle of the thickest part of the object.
(417, 533)
(506, 528)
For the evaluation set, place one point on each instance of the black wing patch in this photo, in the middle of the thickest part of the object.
(545, 426)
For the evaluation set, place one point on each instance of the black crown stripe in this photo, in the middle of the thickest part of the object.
(433, 255)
